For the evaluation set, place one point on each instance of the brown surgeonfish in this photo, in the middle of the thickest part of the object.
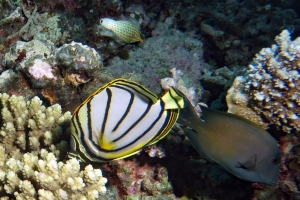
(238, 145)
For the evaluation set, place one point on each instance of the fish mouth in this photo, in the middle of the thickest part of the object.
(268, 182)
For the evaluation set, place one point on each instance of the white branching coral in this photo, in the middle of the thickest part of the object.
(32, 153)
(28, 125)
(270, 92)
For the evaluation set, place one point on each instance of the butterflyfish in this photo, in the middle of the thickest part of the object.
(119, 119)
(125, 30)
(238, 145)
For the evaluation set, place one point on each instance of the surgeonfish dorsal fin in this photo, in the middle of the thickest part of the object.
(188, 117)
(173, 99)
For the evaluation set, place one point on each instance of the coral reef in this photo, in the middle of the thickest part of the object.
(139, 180)
(39, 65)
(177, 82)
(215, 83)
(21, 55)
(53, 27)
(27, 169)
(34, 23)
(41, 69)
(155, 151)
(29, 58)
(177, 34)
(79, 62)
(233, 30)
(269, 93)
(156, 56)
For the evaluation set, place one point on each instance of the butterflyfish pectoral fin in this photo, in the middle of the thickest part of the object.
(173, 99)
(248, 164)
(106, 145)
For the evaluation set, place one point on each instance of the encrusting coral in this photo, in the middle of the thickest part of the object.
(32, 150)
(79, 62)
(270, 92)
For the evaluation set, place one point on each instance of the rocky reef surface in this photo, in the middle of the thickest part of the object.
(53, 54)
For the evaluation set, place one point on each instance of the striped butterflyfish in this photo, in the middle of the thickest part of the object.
(119, 119)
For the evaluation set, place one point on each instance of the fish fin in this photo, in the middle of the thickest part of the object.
(193, 137)
(188, 117)
(173, 99)
(248, 164)
(136, 86)
(208, 113)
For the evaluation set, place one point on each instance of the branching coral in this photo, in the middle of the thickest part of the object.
(31, 153)
(270, 93)
(34, 19)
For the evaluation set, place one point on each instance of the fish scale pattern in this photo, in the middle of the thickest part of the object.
(125, 30)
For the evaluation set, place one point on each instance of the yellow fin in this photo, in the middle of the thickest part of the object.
(138, 87)
(104, 144)
(173, 100)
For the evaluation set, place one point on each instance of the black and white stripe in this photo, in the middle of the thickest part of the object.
(118, 120)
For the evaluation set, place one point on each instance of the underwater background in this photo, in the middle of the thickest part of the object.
(238, 56)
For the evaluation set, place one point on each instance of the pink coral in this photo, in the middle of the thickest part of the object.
(41, 69)
(137, 177)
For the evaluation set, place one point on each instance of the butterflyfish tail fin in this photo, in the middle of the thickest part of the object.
(173, 99)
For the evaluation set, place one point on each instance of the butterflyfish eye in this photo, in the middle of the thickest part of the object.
(101, 21)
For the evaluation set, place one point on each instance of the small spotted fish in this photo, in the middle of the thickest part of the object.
(125, 30)
(119, 119)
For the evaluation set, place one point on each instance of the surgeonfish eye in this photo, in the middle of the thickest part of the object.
(275, 161)
(119, 119)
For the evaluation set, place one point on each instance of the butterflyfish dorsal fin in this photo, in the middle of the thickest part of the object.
(139, 88)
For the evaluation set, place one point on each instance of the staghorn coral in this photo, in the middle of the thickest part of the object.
(32, 151)
(269, 93)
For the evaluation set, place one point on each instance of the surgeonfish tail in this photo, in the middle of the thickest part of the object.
(173, 99)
